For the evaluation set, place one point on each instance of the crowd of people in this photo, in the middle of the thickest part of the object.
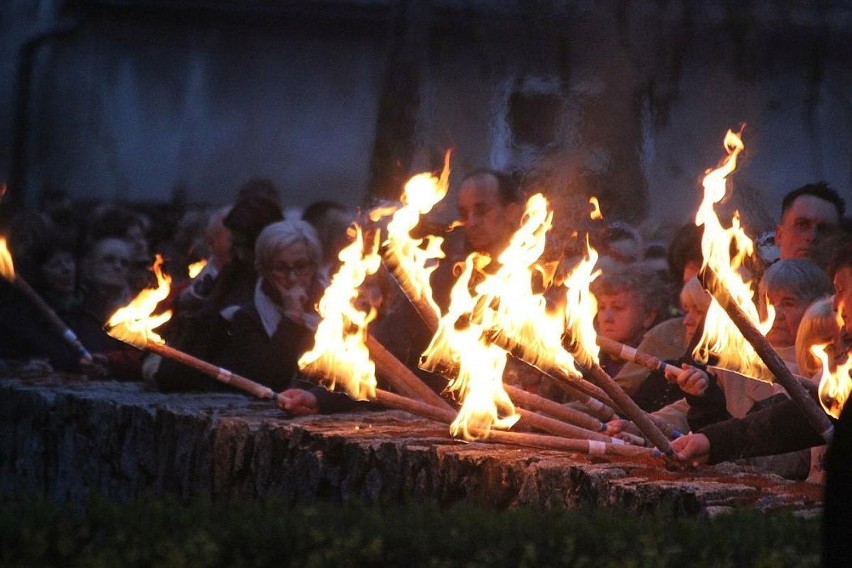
(252, 308)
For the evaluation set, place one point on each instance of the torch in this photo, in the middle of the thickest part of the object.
(8, 271)
(406, 260)
(134, 325)
(811, 409)
(719, 275)
(644, 359)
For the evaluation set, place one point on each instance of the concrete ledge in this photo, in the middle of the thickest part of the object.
(68, 438)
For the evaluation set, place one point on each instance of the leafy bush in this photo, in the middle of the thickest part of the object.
(167, 533)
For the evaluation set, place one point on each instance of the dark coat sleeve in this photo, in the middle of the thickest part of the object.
(708, 408)
(776, 429)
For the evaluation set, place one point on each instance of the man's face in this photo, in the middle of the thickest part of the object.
(488, 223)
(843, 296)
(805, 227)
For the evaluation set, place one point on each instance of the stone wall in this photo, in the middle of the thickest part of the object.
(68, 438)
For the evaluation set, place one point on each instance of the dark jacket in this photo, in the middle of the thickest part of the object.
(781, 428)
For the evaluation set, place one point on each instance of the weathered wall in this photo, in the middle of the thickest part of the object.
(625, 100)
(68, 439)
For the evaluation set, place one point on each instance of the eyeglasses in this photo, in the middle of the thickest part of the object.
(301, 268)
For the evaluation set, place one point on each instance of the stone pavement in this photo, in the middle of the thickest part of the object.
(68, 438)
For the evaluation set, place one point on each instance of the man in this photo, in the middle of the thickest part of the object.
(490, 206)
(810, 216)
(782, 427)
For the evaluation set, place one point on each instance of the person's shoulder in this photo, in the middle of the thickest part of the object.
(666, 328)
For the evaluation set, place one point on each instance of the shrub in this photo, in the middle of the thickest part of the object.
(165, 532)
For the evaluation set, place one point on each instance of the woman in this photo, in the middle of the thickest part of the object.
(630, 301)
(272, 330)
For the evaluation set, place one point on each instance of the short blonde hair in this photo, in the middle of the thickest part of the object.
(280, 235)
(693, 292)
(818, 325)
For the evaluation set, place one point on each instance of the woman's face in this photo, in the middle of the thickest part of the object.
(789, 310)
(108, 264)
(620, 317)
(60, 273)
(292, 267)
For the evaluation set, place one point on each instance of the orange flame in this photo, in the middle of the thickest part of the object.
(195, 268)
(596, 208)
(340, 351)
(581, 307)
(514, 308)
(834, 387)
(133, 324)
(721, 336)
(503, 303)
(417, 257)
(7, 267)
(480, 365)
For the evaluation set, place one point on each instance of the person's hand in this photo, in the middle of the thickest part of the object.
(622, 429)
(691, 380)
(96, 368)
(298, 402)
(692, 449)
(295, 301)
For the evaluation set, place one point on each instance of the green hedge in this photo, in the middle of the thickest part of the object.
(274, 533)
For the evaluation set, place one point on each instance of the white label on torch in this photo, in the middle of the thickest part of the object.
(224, 375)
(597, 448)
(628, 353)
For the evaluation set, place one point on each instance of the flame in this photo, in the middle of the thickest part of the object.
(459, 345)
(503, 302)
(834, 387)
(721, 336)
(340, 353)
(195, 268)
(581, 307)
(596, 208)
(417, 257)
(514, 308)
(7, 267)
(133, 324)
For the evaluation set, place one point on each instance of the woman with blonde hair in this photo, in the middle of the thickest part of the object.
(818, 327)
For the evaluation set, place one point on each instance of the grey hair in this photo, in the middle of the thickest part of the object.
(281, 234)
(799, 276)
(639, 279)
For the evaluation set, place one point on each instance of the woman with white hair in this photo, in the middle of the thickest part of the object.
(270, 332)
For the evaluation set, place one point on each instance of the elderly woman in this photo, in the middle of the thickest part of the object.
(630, 301)
(272, 330)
